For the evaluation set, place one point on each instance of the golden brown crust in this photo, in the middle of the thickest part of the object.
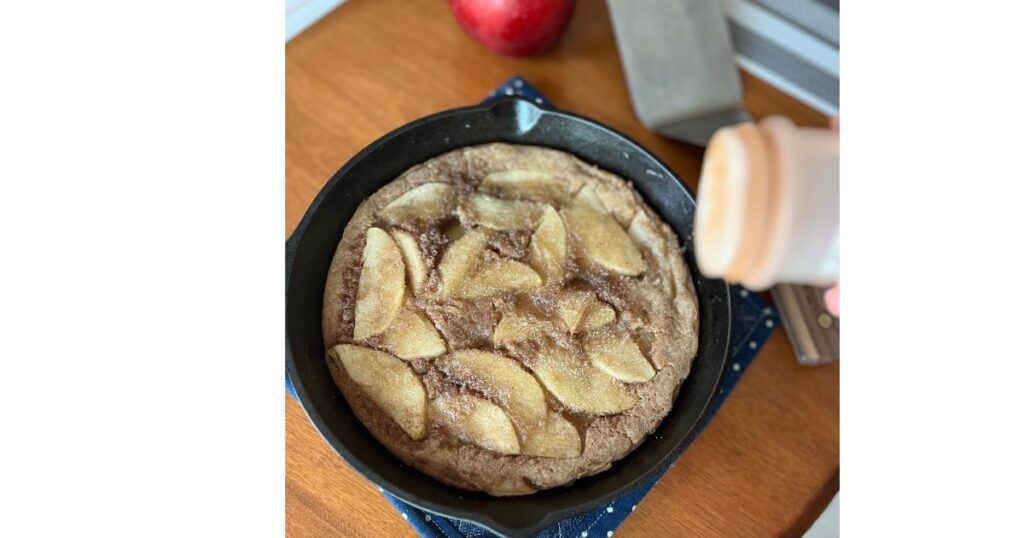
(657, 309)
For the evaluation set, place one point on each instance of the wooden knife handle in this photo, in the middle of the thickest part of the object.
(813, 332)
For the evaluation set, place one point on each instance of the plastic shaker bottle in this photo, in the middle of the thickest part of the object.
(768, 205)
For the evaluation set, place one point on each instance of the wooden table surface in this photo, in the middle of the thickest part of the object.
(769, 461)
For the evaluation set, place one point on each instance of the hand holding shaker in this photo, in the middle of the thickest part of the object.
(768, 205)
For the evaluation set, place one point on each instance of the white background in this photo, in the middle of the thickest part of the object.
(142, 210)
(931, 212)
(141, 203)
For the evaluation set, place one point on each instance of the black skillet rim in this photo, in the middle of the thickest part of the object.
(528, 112)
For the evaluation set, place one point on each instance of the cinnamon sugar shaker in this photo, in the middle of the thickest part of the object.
(768, 205)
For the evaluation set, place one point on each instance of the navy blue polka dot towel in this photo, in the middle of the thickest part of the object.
(754, 323)
(518, 87)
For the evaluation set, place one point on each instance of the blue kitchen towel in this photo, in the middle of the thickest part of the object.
(518, 86)
(754, 321)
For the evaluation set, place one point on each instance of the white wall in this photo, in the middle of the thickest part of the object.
(300, 14)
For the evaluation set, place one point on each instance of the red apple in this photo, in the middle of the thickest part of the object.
(514, 27)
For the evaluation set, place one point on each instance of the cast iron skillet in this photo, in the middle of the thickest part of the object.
(311, 247)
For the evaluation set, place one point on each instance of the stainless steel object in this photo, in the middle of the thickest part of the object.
(678, 60)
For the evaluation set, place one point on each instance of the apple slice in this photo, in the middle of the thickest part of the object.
(618, 356)
(389, 382)
(583, 311)
(499, 379)
(477, 421)
(548, 246)
(465, 275)
(603, 241)
(558, 438)
(413, 259)
(619, 205)
(499, 276)
(498, 214)
(460, 260)
(381, 285)
(579, 386)
(598, 315)
(427, 202)
(413, 335)
(588, 197)
(528, 184)
(573, 306)
(643, 231)
(516, 328)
